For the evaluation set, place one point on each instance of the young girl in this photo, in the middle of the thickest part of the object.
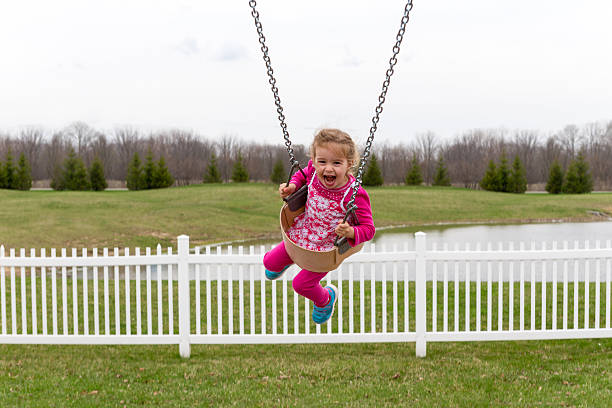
(328, 175)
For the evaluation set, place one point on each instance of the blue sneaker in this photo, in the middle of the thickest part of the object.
(322, 314)
(275, 275)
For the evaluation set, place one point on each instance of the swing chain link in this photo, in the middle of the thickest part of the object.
(379, 108)
(381, 100)
(272, 81)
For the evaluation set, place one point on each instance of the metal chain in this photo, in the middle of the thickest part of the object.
(272, 81)
(378, 110)
(381, 101)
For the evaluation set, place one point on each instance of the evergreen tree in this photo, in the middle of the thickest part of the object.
(489, 181)
(414, 177)
(74, 175)
(503, 174)
(517, 183)
(57, 182)
(134, 177)
(23, 179)
(96, 176)
(240, 173)
(578, 179)
(9, 171)
(162, 177)
(148, 171)
(278, 172)
(2, 176)
(373, 175)
(212, 172)
(441, 177)
(554, 185)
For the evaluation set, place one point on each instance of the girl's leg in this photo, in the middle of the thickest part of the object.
(277, 258)
(306, 283)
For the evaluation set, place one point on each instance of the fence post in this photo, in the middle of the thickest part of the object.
(183, 295)
(420, 300)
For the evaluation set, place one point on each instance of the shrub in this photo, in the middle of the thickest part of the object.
(148, 171)
(9, 171)
(57, 183)
(414, 177)
(134, 177)
(212, 171)
(23, 179)
(373, 175)
(162, 177)
(74, 175)
(441, 178)
(2, 176)
(278, 172)
(503, 174)
(240, 173)
(489, 181)
(96, 176)
(578, 179)
(554, 185)
(517, 183)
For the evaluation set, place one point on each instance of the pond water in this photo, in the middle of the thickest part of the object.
(578, 235)
(495, 234)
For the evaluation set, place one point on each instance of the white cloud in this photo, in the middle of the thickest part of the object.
(230, 52)
(189, 46)
(198, 65)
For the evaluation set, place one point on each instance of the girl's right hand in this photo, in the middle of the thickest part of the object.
(285, 190)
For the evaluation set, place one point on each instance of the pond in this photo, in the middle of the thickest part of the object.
(495, 234)
(576, 234)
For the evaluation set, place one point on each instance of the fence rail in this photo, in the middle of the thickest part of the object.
(218, 295)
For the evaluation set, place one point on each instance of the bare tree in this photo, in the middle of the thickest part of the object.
(82, 134)
(187, 154)
(227, 149)
(30, 143)
(570, 139)
(526, 147)
(428, 145)
(126, 139)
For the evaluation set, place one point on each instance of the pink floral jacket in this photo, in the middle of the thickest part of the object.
(325, 209)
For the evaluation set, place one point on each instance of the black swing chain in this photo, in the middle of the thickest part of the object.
(381, 100)
(272, 81)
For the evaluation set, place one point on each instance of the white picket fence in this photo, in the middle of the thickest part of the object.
(216, 295)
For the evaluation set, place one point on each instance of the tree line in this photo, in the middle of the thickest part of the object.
(188, 155)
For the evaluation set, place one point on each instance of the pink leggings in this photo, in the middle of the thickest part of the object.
(305, 283)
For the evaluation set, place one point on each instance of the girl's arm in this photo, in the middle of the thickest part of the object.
(365, 230)
(298, 179)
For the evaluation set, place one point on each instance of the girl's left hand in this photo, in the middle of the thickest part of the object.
(345, 230)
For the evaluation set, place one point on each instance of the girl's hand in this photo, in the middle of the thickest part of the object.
(345, 230)
(285, 190)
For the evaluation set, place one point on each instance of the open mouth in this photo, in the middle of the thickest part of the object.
(329, 180)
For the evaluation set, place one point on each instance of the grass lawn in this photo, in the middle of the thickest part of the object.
(550, 373)
(525, 373)
(214, 213)
(553, 373)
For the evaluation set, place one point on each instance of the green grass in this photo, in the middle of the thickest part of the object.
(521, 373)
(557, 373)
(66, 326)
(214, 213)
(554, 373)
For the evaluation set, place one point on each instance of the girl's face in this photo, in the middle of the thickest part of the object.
(331, 165)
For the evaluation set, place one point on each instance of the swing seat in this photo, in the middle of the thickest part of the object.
(314, 261)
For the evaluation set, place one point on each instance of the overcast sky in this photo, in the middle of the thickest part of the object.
(158, 64)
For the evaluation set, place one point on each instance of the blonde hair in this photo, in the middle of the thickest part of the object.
(326, 136)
